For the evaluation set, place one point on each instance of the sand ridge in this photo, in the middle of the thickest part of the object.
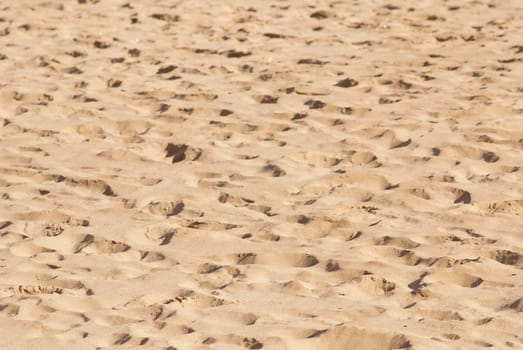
(276, 175)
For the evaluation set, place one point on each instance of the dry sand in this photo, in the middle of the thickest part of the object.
(261, 174)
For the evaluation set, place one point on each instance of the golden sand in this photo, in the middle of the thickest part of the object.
(261, 174)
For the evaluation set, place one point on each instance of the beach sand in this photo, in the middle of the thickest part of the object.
(261, 175)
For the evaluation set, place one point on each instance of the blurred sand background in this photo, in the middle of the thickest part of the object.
(261, 174)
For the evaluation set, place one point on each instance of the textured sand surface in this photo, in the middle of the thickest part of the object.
(261, 174)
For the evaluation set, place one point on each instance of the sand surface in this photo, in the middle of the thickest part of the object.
(261, 174)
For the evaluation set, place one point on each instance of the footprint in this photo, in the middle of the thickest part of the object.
(490, 157)
(166, 208)
(513, 207)
(99, 186)
(402, 242)
(106, 246)
(73, 70)
(388, 139)
(28, 249)
(4, 224)
(332, 266)
(101, 44)
(291, 260)
(316, 158)
(134, 52)
(90, 129)
(166, 69)
(274, 170)
(246, 258)
(114, 83)
(507, 257)
(274, 36)
(346, 83)
(267, 99)
(462, 196)
(389, 99)
(234, 200)
(132, 127)
(150, 256)
(252, 343)
(86, 241)
(236, 54)
(441, 315)
(320, 14)
(420, 192)
(348, 337)
(315, 104)
(299, 116)
(364, 158)
(208, 268)
(225, 112)
(180, 152)
(375, 285)
(516, 305)
(52, 230)
(457, 276)
(121, 338)
(209, 225)
(311, 61)
(10, 310)
(30, 290)
(165, 17)
(161, 235)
